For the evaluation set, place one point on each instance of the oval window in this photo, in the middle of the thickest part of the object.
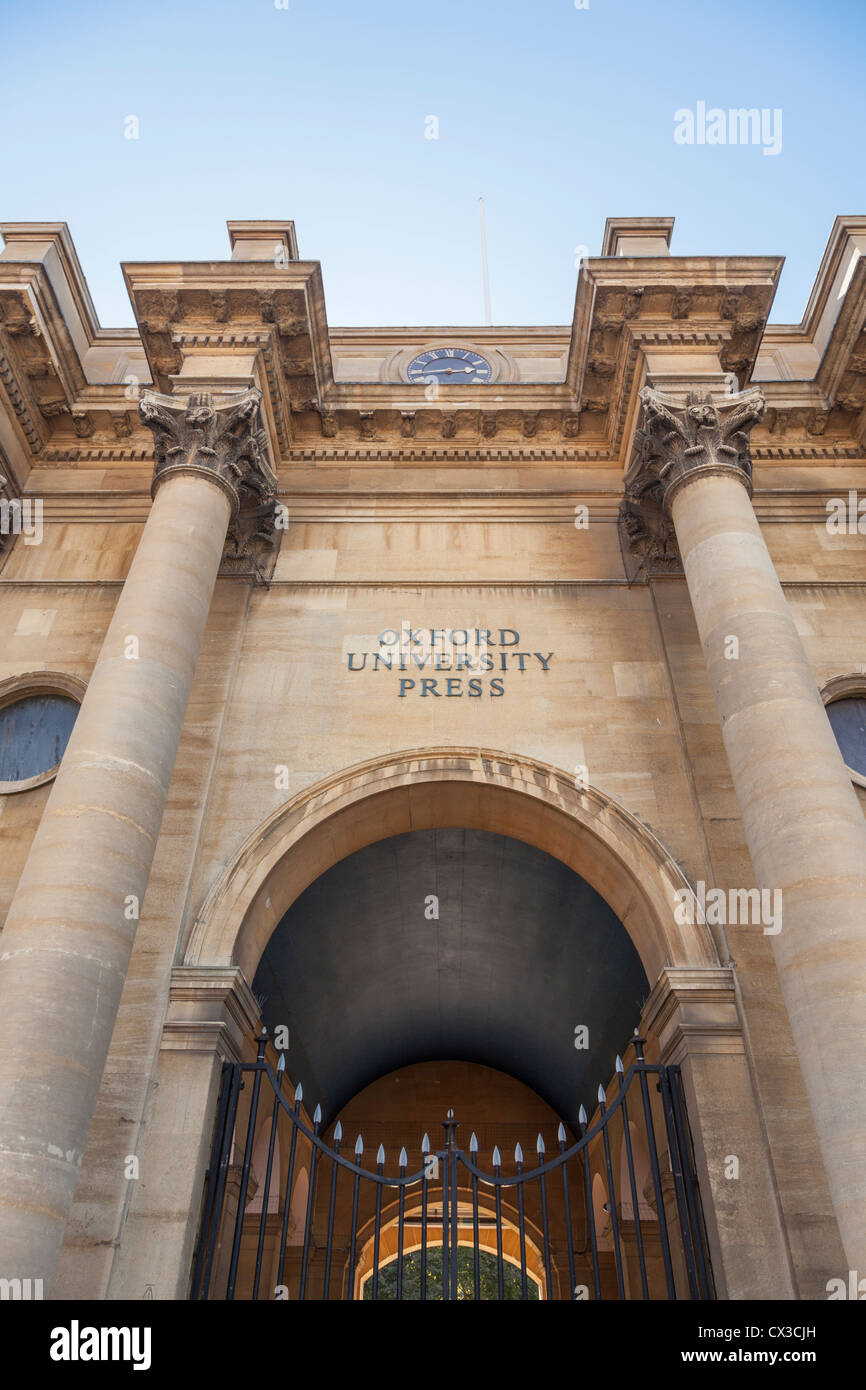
(34, 733)
(848, 721)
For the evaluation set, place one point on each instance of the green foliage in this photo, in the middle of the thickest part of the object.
(488, 1282)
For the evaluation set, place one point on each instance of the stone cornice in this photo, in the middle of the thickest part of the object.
(266, 323)
(36, 336)
(843, 229)
(729, 295)
(789, 450)
(210, 1010)
(842, 374)
(693, 1010)
(220, 299)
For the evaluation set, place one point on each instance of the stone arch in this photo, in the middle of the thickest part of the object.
(510, 794)
(534, 1247)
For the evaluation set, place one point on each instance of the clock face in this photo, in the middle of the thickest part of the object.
(449, 367)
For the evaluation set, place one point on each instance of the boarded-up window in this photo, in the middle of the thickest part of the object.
(34, 733)
(848, 718)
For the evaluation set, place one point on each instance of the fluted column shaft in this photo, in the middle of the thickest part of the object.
(69, 933)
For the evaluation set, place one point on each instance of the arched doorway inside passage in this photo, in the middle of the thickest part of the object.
(517, 890)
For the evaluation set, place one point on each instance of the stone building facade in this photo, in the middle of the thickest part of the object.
(438, 686)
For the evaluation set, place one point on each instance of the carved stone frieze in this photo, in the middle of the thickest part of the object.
(779, 421)
(121, 425)
(571, 425)
(677, 439)
(328, 417)
(82, 424)
(816, 422)
(681, 304)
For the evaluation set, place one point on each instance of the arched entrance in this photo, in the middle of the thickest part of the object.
(450, 943)
(690, 1016)
(523, 798)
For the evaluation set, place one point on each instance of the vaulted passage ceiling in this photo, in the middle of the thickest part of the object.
(523, 952)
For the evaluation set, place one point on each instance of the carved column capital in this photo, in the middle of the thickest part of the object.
(225, 443)
(678, 440)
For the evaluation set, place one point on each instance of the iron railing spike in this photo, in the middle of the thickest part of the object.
(317, 1115)
(380, 1156)
(518, 1154)
(359, 1146)
(299, 1092)
(473, 1143)
(425, 1144)
(497, 1157)
(539, 1144)
(619, 1065)
(281, 1064)
(338, 1132)
(601, 1095)
(581, 1115)
(403, 1158)
(561, 1134)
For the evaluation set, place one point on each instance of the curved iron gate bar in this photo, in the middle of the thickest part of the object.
(680, 1153)
(626, 1134)
(673, 1082)
(552, 1166)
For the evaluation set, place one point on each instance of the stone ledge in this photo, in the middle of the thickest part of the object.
(211, 1009)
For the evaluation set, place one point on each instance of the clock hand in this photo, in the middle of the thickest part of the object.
(450, 371)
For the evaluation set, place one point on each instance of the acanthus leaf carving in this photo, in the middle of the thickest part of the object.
(677, 439)
(227, 441)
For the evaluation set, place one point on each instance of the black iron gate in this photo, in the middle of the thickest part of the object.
(614, 1215)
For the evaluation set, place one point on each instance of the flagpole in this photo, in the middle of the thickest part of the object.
(487, 318)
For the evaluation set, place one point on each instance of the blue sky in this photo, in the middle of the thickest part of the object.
(560, 117)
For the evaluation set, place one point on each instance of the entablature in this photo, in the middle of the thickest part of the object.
(70, 388)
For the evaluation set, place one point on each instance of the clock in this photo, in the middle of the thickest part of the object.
(449, 366)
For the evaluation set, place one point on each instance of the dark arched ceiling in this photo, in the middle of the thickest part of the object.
(523, 951)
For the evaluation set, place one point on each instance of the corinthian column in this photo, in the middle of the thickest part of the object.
(66, 944)
(804, 826)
